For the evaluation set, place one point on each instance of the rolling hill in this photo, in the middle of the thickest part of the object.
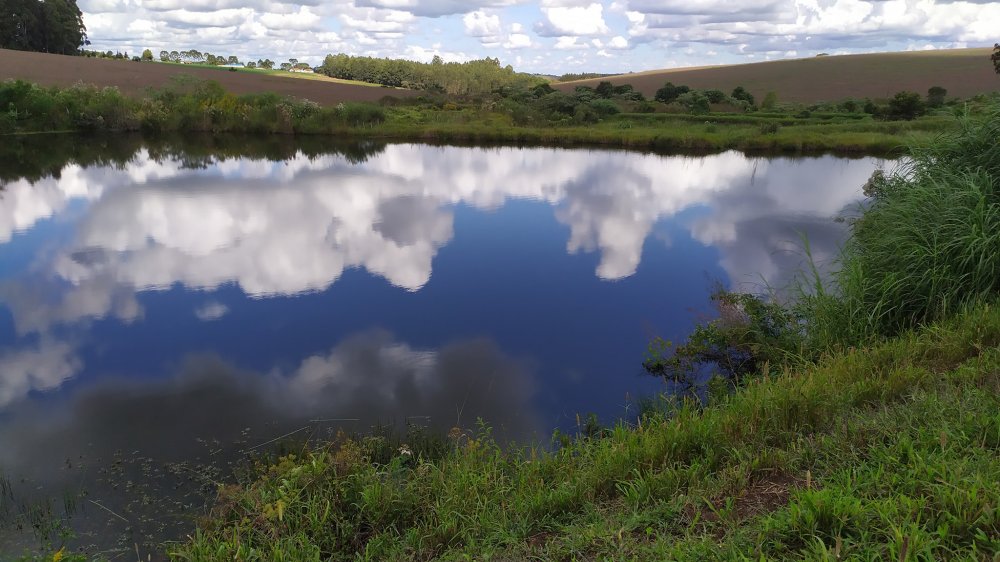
(964, 72)
(134, 77)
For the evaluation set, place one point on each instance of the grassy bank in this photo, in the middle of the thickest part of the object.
(191, 106)
(868, 427)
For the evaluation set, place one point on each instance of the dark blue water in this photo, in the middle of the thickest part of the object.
(154, 305)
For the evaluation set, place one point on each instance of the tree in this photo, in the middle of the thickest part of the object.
(669, 92)
(741, 93)
(164, 56)
(47, 26)
(995, 57)
(251, 64)
(267, 64)
(147, 55)
(233, 59)
(605, 89)
(286, 66)
(715, 96)
(935, 96)
(906, 105)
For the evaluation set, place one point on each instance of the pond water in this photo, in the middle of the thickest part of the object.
(171, 303)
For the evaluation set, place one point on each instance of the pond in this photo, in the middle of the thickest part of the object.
(172, 303)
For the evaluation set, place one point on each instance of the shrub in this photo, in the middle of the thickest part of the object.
(585, 114)
(605, 108)
(906, 105)
(361, 114)
(936, 96)
(669, 93)
(740, 93)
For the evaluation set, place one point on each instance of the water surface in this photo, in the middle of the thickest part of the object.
(166, 304)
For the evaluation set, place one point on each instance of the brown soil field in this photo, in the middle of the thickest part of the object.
(964, 72)
(134, 77)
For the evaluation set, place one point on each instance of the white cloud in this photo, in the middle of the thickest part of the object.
(573, 20)
(481, 24)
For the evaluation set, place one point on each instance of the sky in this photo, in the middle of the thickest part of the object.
(542, 36)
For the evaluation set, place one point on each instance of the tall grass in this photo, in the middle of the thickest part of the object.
(928, 243)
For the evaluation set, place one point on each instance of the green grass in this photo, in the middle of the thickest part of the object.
(892, 447)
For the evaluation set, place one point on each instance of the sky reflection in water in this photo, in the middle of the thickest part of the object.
(149, 305)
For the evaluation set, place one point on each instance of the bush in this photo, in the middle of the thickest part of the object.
(605, 108)
(669, 93)
(936, 96)
(906, 106)
(715, 96)
(748, 333)
(740, 93)
(361, 114)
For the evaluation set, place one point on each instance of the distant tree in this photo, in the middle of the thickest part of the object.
(147, 55)
(936, 96)
(995, 57)
(696, 102)
(623, 90)
(584, 93)
(715, 96)
(175, 56)
(251, 64)
(164, 56)
(437, 60)
(286, 66)
(741, 93)
(542, 90)
(267, 64)
(233, 59)
(669, 92)
(906, 105)
(47, 26)
(770, 101)
(605, 89)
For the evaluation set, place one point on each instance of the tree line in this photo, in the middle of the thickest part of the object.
(45, 26)
(465, 78)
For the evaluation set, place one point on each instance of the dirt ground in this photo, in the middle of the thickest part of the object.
(963, 72)
(134, 77)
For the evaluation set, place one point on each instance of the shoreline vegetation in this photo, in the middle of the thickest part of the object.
(859, 421)
(681, 120)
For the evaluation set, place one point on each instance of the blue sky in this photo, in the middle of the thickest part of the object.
(548, 36)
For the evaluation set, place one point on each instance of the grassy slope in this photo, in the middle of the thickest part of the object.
(964, 72)
(885, 453)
